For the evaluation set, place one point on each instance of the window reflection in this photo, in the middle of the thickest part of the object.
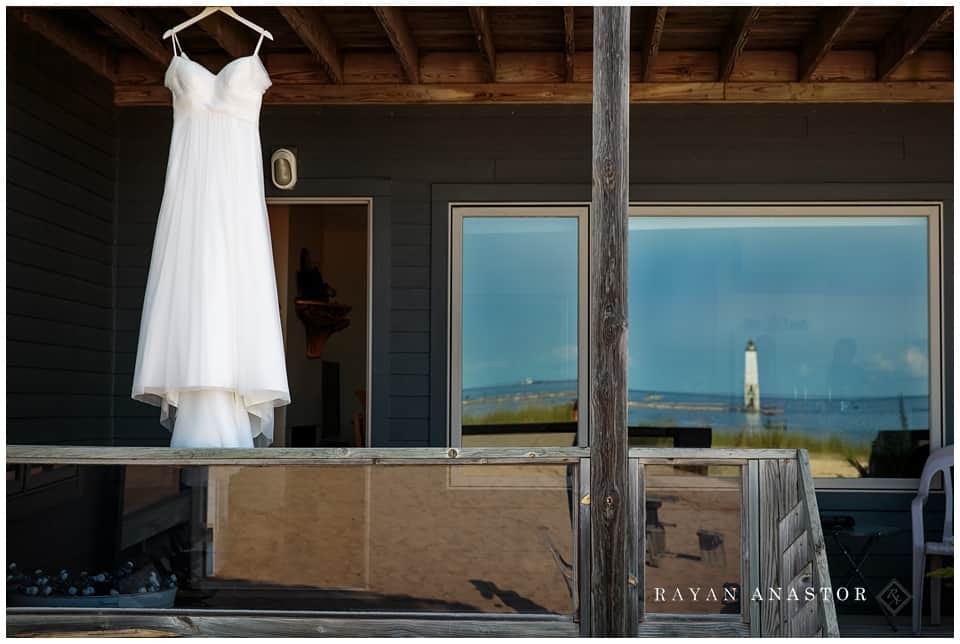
(792, 332)
(692, 545)
(519, 331)
(459, 538)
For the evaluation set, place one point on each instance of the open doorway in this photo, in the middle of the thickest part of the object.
(321, 250)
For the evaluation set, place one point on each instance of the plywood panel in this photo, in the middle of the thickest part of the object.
(518, 28)
(868, 27)
(781, 27)
(695, 27)
(356, 27)
(441, 28)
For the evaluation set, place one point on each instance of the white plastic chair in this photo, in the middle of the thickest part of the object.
(939, 461)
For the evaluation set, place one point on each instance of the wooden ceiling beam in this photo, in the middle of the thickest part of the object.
(650, 43)
(571, 93)
(145, 39)
(480, 20)
(569, 42)
(398, 31)
(736, 39)
(231, 36)
(830, 23)
(438, 68)
(908, 36)
(87, 50)
(313, 31)
(531, 67)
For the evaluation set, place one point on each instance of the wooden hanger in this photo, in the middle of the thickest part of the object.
(208, 11)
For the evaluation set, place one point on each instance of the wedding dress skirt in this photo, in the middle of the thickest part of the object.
(210, 352)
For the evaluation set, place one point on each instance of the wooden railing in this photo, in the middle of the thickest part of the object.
(780, 546)
(792, 551)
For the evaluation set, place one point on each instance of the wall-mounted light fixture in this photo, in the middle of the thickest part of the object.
(283, 168)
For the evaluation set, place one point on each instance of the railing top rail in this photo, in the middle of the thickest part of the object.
(66, 455)
(686, 454)
(289, 455)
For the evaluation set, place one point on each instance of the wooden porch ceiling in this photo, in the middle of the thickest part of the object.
(457, 54)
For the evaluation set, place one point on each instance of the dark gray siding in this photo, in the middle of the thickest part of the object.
(889, 556)
(60, 197)
(413, 160)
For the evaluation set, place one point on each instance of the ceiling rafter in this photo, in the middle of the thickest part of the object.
(908, 36)
(736, 39)
(824, 34)
(650, 44)
(569, 41)
(145, 39)
(87, 50)
(398, 31)
(480, 18)
(313, 31)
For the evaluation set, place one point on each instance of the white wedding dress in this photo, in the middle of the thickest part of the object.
(210, 353)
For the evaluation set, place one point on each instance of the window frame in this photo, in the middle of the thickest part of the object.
(454, 376)
(932, 210)
(280, 413)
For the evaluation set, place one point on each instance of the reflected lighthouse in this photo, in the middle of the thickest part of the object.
(751, 379)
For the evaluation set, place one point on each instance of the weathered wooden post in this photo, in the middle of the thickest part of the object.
(614, 576)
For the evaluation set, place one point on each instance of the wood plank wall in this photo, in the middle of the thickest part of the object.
(60, 199)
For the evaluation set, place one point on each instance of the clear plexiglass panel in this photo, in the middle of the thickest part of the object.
(519, 340)
(457, 538)
(692, 539)
(782, 331)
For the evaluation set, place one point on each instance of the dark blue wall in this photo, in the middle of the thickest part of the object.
(61, 184)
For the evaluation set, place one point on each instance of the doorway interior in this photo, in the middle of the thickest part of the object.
(322, 256)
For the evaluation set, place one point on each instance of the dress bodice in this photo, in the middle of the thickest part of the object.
(237, 89)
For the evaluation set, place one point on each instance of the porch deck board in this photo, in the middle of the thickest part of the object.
(226, 625)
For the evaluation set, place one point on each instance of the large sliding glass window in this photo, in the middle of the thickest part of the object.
(811, 326)
(755, 325)
(517, 308)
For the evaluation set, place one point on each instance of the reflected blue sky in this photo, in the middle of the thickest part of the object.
(519, 300)
(837, 307)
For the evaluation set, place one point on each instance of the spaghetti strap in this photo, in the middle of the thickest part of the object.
(176, 46)
(256, 51)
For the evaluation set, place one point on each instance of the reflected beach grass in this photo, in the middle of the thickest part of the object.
(556, 413)
(832, 455)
